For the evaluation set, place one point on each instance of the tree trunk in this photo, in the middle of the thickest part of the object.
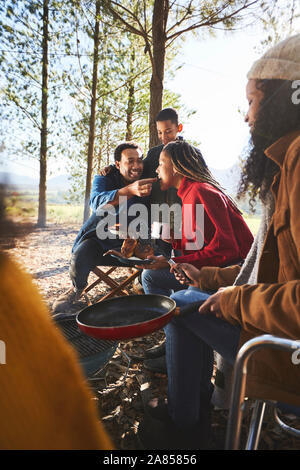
(92, 117)
(108, 145)
(129, 112)
(100, 154)
(43, 149)
(159, 21)
(131, 100)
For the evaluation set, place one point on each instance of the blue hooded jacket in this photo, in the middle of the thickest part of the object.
(103, 191)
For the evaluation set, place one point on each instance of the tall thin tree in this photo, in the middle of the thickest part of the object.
(161, 22)
(29, 84)
(42, 210)
(91, 142)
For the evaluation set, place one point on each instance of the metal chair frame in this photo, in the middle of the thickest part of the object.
(238, 393)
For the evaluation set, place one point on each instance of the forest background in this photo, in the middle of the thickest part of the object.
(79, 77)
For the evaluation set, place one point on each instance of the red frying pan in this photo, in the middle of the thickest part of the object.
(129, 316)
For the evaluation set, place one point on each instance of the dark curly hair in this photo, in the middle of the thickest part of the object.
(168, 114)
(277, 116)
(124, 146)
(189, 162)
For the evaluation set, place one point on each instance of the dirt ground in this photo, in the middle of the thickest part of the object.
(123, 386)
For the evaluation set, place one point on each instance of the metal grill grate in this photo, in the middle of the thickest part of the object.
(86, 346)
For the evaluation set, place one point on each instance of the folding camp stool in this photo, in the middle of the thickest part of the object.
(238, 395)
(116, 288)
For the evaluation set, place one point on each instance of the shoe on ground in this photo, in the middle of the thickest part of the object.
(66, 301)
(137, 286)
(163, 434)
(156, 351)
(157, 364)
(157, 408)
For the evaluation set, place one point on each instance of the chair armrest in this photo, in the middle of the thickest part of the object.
(239, 380)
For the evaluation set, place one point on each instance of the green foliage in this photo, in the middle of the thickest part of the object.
(21, 68)
(23, 205)
(280, 21)
(61, 214)
(19, 205)
(125, 70)
(123, 95)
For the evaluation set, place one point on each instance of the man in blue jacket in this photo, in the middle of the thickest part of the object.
(118, 190)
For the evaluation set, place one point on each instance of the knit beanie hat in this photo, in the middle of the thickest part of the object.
(280, 62)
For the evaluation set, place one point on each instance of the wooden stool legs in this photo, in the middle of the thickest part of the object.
(117, 289)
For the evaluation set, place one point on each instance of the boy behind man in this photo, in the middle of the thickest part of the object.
(168, 128)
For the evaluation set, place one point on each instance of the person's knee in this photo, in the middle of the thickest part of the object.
(148, 277)
(180, 298)
(188, 296)
(145, 275)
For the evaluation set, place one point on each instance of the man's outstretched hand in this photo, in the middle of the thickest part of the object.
(141, 188)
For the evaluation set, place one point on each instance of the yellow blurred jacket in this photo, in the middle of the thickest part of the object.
(45, 402)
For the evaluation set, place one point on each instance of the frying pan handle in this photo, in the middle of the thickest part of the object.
(188, 308)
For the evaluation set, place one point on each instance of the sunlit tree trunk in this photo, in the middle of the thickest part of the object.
(159, 21)
(42, 211)
(131, 100)
(91, 142)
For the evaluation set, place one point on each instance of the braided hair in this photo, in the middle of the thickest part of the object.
(188, 162)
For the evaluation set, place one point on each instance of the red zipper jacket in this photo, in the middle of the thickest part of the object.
(226, 238)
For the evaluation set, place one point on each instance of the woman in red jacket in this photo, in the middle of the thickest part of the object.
(213, 230)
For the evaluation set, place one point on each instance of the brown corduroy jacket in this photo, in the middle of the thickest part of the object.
(272, 306)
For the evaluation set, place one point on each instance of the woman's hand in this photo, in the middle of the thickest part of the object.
(159, 262)
(106, 170)
(191, 272)
(213, 305)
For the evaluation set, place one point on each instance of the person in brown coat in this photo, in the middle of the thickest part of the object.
(235, 314)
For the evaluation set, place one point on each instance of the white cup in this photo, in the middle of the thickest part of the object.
(156, 229)
(166, 231)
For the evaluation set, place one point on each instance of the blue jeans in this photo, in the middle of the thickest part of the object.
(89, 254)
(160, 281)
(190, 342)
